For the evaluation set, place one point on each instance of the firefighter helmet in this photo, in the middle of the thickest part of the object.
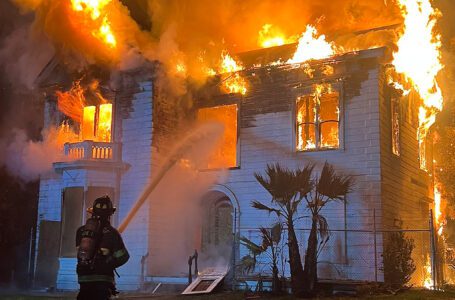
(102, 206)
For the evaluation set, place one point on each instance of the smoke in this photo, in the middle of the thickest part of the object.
(23, 56)
(194, 32)
(176, 203)
(26, 159)
(24, 51)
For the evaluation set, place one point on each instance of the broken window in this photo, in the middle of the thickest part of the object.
(396, 118)
(97, 122)
(318, 119)
(225, 153)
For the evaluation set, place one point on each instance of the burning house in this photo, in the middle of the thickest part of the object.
(299, 103)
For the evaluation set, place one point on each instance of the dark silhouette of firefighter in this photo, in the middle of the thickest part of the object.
(100, 250)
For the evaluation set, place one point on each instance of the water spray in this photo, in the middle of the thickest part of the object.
(184, 147)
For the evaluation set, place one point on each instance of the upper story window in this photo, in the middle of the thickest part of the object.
(96, 123)
(318, 120)
(225, 154)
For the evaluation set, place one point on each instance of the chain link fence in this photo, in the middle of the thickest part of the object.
(365, 254)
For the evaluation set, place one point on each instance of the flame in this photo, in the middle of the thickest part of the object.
(88, 123)
(65, 134)
(72, 102)
(180, 68)
(270, 36)
(97, 12)
(103, 133)
(427, 280)
(312, 46)
(233, 82)
(438, 202)
(95, 121)
(419, 59)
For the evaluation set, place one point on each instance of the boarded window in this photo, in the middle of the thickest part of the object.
(225, 154)
(396, 117)
(317, 120)
(73, 199)
(47, 257)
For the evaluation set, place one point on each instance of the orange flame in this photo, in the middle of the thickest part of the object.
(103, 133)
(427, 276)
(270, 36)
(419, 59)
(438, 208)
(312, 46)
(72, 102)
(97, 12)
(95, 122)
(233, 82)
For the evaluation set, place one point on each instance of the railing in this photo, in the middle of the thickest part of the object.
(92, 150)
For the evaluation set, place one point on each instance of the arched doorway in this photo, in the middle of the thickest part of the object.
(217, 230)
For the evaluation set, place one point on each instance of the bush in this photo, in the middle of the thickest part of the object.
(398, 262)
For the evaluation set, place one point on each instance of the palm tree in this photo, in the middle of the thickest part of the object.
(271, 239)
(287, 188)
(329, 186)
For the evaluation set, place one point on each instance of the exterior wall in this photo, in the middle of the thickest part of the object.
(133, 128)
(267, 135)
(136, 137)
(406, 189)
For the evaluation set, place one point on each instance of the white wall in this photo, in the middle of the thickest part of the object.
(271, 139)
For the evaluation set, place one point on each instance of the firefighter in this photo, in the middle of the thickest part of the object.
(100, 250)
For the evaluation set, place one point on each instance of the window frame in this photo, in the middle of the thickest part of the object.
(96, 119)
(308, 90)
(395, 106)
(238, 143)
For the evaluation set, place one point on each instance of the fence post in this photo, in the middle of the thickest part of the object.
(433, 250)
(375, 247)
(234, 245)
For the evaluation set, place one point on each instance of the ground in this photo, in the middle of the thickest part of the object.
(414, 295)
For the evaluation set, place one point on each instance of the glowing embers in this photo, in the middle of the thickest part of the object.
(225, 153)
(97, 122)
(95, 17)
(317, 119)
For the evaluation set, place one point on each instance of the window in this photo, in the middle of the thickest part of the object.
(396, 119)
(225, 154)
(318, 120)
(97, 122)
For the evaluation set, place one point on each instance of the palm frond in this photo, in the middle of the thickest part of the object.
(258, 205)
(266, 237)
(276, 232)
(303, 180)
(254, 248)
(332, 185)
(323, 227)
(279, 182)
(247, 264)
